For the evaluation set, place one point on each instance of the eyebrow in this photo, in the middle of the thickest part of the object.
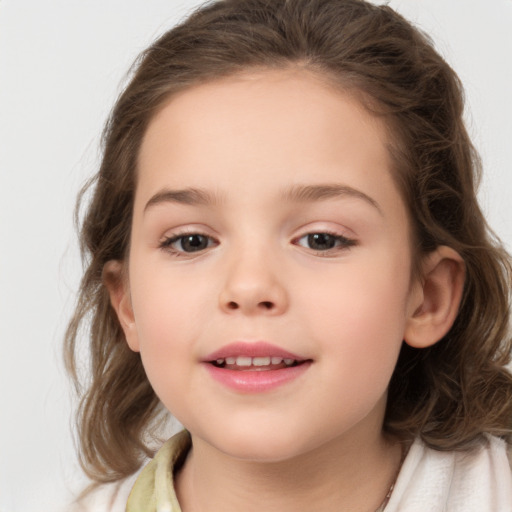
(312, 193)
(189, 196)
(297, 193)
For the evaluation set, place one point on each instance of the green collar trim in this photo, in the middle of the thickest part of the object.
(154, 488)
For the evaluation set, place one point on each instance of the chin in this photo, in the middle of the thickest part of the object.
(262, 445)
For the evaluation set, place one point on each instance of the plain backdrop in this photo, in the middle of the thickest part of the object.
(62, 63)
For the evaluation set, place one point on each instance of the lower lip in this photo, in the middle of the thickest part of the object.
(254, 381)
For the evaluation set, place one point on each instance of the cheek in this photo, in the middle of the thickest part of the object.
(167, 314)
(359, 319)
(165, 302)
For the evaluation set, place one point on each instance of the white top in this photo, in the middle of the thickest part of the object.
(429, 481)
(433, 481)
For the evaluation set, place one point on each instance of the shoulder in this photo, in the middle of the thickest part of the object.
(487, 464)
(479, 480)
(145, 490)
(105, 498)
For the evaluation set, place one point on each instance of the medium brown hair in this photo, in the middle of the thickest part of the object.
(450, 394)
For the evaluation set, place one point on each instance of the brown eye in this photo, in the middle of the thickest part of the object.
(193, 243)
(321, 241)
(189, 243)
(324, 241)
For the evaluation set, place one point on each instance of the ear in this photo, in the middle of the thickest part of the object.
(116, 281)
(438, 299)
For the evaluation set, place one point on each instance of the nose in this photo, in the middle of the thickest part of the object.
(253, 286)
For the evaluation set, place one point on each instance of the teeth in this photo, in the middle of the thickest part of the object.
(254, 361)
(261, 361)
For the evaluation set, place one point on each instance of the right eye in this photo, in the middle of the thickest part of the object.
(324, 243)
(187, 243)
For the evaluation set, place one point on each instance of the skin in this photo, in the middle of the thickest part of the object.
(248, 143)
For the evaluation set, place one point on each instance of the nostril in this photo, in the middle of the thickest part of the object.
(232, 305)
(267, 304)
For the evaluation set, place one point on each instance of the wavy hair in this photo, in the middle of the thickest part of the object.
(450, 394)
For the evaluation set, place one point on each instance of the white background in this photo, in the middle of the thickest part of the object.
(61, 66)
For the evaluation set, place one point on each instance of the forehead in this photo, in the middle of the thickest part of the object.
(274, 126)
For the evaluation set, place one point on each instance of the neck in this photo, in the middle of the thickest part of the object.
(341, 475)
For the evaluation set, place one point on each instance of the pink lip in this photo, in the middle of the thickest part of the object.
(251, 349)
(254, 381)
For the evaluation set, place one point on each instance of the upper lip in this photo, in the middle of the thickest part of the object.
(251, 349)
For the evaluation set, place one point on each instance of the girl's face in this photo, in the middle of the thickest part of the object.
(267, 228)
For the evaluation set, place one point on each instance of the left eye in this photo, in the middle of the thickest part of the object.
(324, 241)
(188, 243)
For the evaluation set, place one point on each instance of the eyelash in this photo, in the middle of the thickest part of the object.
(167, 243)
(341, 243)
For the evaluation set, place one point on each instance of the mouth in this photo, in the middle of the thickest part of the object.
(255, 367)
(254, 356)
(258, 364)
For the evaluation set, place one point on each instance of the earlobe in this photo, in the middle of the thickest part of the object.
(116, 282)
(441, 288)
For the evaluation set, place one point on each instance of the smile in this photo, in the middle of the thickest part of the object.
(255, 363)
(255, 367)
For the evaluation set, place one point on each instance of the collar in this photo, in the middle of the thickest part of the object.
(154, 488)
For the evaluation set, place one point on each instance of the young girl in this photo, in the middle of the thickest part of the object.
(284, 250)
